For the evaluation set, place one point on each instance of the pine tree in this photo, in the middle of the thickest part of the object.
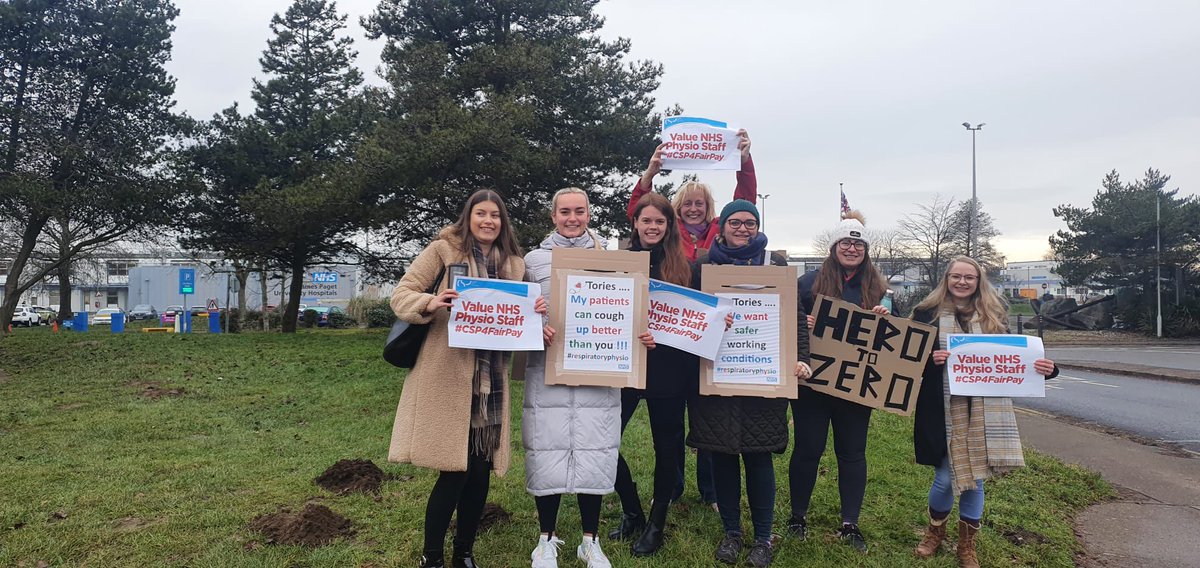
(276, 192)
(520, 96)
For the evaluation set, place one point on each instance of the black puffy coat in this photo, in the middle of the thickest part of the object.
(743, 424)
(670, 372)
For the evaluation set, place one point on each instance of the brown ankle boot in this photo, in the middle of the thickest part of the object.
(935, 533)
(966, 545)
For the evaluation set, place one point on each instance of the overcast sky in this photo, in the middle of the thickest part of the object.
(870, 94)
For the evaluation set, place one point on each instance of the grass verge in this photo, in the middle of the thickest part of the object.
(103, 465)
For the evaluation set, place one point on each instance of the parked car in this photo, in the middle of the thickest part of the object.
(104, 316)
(143, 312)
(169, 313)
(26, 316)
(323, 312)
(45, 313)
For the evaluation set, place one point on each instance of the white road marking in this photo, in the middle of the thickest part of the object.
(1085, 381)
(1181, 441)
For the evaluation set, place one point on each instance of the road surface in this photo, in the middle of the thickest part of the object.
(1157, 410)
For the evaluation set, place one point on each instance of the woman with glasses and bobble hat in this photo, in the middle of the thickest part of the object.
(847, 274)
(965, 439)
(745, 430)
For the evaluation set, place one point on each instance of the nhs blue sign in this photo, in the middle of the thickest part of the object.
(324, 277)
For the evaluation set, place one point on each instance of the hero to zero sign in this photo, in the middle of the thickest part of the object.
(871, 359)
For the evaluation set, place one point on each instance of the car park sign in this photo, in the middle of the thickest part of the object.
(187, 280)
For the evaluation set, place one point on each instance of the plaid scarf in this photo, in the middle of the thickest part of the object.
(981, 432)
(487, 384)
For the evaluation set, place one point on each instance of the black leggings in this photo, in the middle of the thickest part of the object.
(812, 414)
(589, 511)
(666, 430)
(465, 491)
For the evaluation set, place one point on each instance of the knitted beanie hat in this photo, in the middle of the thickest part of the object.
(851, 227)
(739, 205)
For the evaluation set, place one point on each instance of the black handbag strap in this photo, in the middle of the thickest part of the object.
(433, 288)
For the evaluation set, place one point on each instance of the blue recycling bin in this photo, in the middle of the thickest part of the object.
(214, 321)
(80, 321)
(118, 322)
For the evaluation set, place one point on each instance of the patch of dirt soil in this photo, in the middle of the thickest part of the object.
(3, 377)
(493, 514)
(154, 390)
(1022, 537)
(316, 525)
(349, 476)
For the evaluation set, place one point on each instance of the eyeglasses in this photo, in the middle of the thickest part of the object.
(968, 278)
(846, 244)
(749, 224)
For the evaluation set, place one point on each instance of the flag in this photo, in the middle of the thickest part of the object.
(845, 205)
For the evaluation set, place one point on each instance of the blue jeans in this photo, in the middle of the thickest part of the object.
(941, 496)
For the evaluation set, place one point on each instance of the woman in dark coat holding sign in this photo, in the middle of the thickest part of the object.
(847, 274)
(744, 429)
(453, 413)
(670, 377)
(965, 439)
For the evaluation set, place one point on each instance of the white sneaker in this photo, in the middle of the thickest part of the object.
(546, 553)
(589, 551)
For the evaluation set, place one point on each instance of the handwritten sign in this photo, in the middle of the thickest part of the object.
(598, 298)
(995, 365)
(699, 144)
(864, 357)
(686, 319)
(495, 314)
(749, 352)
(599, 334)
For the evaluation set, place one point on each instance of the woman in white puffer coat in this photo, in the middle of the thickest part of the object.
(571, 434)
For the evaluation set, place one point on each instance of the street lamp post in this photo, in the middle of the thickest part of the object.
(974, 202)
(763, 212)
(1158, 260)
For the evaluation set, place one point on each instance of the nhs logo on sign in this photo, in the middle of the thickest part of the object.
(325, 277)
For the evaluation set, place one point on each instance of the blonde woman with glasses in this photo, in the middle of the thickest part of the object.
(948, 434)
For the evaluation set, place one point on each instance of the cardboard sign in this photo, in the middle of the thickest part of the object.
(864, 357)
(598, 306)
(757, 356)
(699, 144)
(685, 319)
(995, 365)
(497, 315)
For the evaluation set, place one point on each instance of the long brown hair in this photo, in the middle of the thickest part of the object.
(675, 267)
(829, 280)
(990, 307)
(504, 246)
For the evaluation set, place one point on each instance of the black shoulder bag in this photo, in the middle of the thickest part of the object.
(405, 340)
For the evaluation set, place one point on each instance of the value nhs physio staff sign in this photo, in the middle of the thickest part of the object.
(995, 365)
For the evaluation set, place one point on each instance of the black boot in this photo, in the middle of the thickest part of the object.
(652, 538)
(429, 562)
(631, 526)
(463, 560)
(632, 517)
